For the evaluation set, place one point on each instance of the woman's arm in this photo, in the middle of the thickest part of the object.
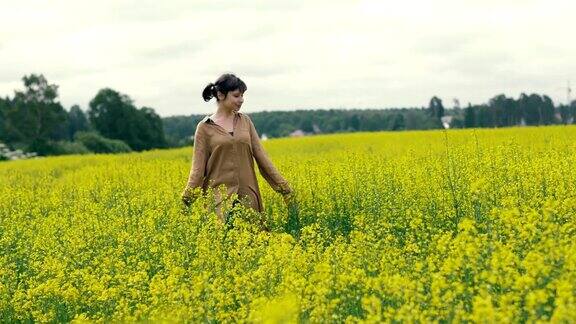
(267, 169)
(199, 159)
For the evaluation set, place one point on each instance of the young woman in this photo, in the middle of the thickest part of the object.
(225, 147)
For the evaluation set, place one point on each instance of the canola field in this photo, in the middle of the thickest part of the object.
(428, 226)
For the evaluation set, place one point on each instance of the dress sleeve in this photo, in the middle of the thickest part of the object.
(267, 169)
(199, 158)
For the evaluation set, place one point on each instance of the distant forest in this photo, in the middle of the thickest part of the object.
(34, 121)
(500, 111)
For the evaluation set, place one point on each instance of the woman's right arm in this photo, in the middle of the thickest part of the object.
(199, 159)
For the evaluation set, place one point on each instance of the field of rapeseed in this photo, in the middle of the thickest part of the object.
(458, 225)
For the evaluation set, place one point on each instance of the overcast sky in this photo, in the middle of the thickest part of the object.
(291, 54)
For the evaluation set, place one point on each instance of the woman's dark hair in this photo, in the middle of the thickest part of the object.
(226, 82)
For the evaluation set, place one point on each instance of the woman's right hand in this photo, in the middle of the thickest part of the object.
(189, 195)
(289, 198)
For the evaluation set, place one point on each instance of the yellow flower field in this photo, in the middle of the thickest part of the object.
(458, 225)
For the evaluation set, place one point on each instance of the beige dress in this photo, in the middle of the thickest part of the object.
(224, 159)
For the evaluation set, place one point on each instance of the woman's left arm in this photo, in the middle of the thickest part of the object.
(267, 169)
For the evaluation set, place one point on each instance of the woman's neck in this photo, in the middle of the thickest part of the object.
(224, 113)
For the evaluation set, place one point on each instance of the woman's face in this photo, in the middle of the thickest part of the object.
(233, 100)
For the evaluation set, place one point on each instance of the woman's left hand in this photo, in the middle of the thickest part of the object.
(290, 198)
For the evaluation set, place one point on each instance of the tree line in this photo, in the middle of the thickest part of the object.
(33, 120)
(500, 111)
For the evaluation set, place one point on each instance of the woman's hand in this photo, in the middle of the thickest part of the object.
(290, 197)
(189, 195)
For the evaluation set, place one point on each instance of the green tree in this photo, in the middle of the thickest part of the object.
(354, 122)
(436, 109)
(110, 113)
(547, 111)
(4, 106)
(35, 115)
(77, 121)
(484, 117)
(469, 116)
(306, 125)
(114, 116)
(573, 112)
(504, 111)
(151, 128)
(398, 122)
(536, 110)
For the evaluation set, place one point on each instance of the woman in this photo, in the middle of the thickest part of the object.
(225, 146)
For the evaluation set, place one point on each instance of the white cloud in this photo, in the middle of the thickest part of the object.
(315, 54)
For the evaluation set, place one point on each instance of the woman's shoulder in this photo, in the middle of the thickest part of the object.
(244, 117)
(206, 120)
(202, 123)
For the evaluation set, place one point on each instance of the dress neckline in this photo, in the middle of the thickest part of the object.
(236, 117)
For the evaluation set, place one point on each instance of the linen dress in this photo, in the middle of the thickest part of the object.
(224, 159)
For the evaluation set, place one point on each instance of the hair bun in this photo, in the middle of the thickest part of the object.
(209, 92)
